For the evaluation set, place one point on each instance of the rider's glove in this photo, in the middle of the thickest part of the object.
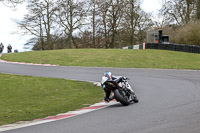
(124, 78)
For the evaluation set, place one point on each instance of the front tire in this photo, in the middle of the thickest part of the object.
(121, 97)
(136, 100)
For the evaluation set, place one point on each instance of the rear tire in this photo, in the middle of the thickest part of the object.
(121, 97)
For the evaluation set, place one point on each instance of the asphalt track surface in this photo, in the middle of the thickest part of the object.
(169, 101)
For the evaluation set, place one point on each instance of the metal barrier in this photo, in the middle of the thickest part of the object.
(174, 47)
(139, 46)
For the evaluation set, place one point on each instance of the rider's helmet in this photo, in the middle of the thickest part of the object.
(108, 75)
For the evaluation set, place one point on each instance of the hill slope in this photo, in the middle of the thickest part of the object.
(111, 58)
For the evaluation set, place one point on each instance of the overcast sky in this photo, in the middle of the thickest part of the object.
(8, 28)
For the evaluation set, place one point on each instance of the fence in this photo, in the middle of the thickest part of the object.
(174, 47)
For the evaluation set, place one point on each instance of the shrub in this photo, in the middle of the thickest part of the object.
(188, 34)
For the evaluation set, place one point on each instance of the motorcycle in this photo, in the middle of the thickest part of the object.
(121, 90)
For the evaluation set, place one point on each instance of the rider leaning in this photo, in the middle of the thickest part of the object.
(1, 46)
(118, 79)
(9, 47)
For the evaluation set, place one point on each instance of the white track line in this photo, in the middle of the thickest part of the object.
(69, 114)
(23, 63)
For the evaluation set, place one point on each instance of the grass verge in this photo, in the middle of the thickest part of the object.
(111, 58)
(24, 98)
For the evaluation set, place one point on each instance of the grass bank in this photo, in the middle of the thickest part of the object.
(111, 58)
(24, 98)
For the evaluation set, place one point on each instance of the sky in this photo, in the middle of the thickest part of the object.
(8, 28)
(151, 5)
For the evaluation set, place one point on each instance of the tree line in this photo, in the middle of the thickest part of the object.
(57, 24)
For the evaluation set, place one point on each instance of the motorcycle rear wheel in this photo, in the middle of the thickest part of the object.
(121, 97)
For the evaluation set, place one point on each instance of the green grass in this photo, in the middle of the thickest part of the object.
(24, 98)
(111, 58)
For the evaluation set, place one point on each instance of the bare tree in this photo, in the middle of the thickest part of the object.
(115, 14)
(179, 11)
(39, 21)
(130, 19)
(71, 17)
(11, 3)
(110, 16)
(103, 18)
(93, 12)
(144, 23)
(135, 23)
(198, 9)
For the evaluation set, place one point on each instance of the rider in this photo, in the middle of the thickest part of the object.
(118, 79)
(1, 46)
(9, 48)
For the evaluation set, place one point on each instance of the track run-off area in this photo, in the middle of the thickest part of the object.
(169, 101)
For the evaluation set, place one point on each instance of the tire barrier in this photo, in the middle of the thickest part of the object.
(174, 47)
